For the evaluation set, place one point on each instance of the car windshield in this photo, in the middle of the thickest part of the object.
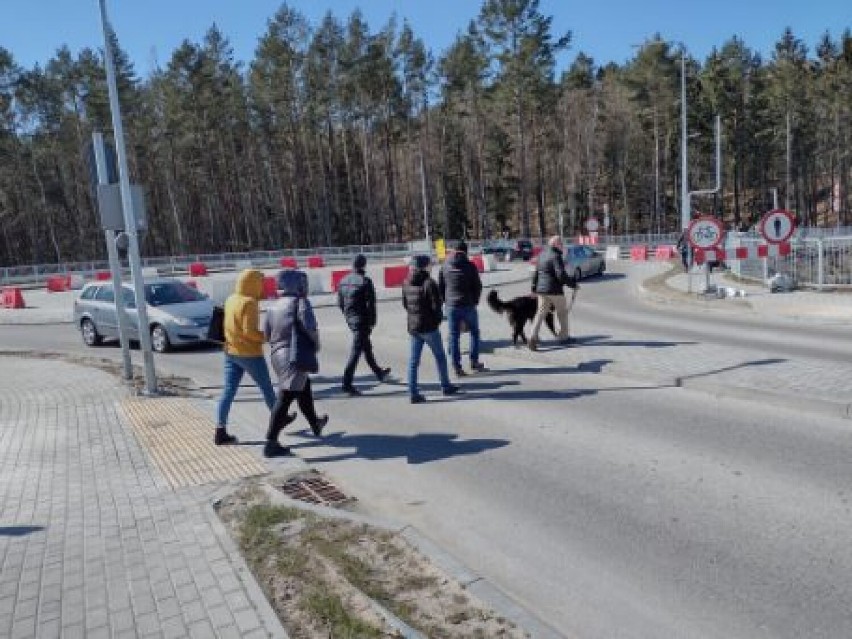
(166, 293)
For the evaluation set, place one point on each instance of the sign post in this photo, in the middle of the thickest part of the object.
(704, 233)
(114, 263)
(127, 206)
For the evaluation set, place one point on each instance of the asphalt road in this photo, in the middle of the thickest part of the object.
(611, 507)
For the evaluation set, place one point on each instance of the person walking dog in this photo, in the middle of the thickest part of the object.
(422, 302)
(356, 297)
(293, 334)
(548, 284)
(243, 349)
(460, 289)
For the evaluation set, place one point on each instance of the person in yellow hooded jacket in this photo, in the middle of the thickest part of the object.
(243, 348)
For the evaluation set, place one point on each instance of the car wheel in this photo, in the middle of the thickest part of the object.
(160, 339)
(578, 274)
(90, 333)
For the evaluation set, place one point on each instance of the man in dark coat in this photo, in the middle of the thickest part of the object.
(422, 302)
(356, 297)
(460, 287)
(548, 282)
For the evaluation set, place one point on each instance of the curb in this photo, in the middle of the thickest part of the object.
(489, 594)
(272, 624)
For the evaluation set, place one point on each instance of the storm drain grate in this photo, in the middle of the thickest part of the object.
(314, 490)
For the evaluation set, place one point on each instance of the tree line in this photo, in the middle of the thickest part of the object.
(336, 133)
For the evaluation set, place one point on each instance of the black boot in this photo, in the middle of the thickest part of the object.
(223, 438)
(274, 449)
(274, 431)
(318, 425)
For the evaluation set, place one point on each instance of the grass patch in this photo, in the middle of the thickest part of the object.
(329, 609)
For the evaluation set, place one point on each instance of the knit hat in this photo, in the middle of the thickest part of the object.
(461, 247)
(422, 262)
(359, 262)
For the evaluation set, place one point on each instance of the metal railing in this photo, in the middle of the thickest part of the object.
(815, 261)
(821, 258)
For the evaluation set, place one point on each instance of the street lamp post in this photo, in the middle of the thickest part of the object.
(684, 164)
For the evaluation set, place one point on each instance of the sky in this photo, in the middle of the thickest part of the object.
(608, 30)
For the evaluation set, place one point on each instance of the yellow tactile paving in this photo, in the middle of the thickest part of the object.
(179, 438)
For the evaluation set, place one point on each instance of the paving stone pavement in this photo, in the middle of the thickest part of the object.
(93, 541)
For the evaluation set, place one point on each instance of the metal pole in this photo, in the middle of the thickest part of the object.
(774, 198)
(787, 186)
(425, 205)
(684, 165)
(114, 263)
(127, 206)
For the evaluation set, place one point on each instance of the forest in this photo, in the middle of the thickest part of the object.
(341, 133)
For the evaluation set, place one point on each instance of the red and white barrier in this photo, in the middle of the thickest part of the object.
(103, 276)
(394, 276)
(270, 288)
(639, 253)
(289, 262)
(58, 283)
(11, 297)
(478, 262)
(742, 253)
(197, 269)
(663, 253)
(315, 261)
(336, 276)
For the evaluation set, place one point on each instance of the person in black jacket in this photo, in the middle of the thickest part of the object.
(422, 302)
(356, 297)
(548, 281)
(460, 287)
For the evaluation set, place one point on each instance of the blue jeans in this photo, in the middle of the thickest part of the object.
(455, 316)
(234, 369)
(433, 341)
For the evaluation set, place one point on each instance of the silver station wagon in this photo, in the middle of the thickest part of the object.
(177, 314)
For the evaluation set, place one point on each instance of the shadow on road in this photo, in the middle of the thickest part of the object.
(726, 369)
(416, 449)
(19, 531)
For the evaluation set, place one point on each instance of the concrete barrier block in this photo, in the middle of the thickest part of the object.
(150, 272)
(613, 253)
(317, 282)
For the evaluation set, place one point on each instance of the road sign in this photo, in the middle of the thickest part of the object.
(777, 226)
(705, 232)
(592, 224)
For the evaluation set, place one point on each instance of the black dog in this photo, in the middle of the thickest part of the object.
(519, 311)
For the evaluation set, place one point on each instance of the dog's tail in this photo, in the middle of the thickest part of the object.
(497, 305)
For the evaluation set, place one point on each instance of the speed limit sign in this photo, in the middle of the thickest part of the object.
(705, 232)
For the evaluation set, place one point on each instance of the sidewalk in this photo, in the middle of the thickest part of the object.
(95, 539)
(800, 304)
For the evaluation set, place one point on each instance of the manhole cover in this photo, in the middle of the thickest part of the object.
(314, 490)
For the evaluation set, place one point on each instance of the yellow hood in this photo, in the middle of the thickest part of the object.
(250, 284)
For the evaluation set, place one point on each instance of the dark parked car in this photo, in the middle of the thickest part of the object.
(515, 249)
(177, 314)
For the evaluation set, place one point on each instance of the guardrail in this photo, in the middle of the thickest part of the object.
(821, 257)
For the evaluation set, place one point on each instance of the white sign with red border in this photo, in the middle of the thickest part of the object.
(592, 224)
(777, 226)
(705, 232)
